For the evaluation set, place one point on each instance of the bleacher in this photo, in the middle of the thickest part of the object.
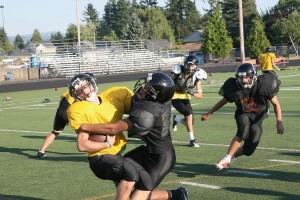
(107, 59)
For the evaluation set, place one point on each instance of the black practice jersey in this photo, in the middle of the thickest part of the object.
(253, 100)
(151, 122)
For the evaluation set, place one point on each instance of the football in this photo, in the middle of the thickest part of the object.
(56, 89)
(97, 138)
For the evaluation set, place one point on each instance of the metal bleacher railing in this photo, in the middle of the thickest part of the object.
(101, 58)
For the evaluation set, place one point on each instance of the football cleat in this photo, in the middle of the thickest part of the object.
(174, 124)
(193, 144)
(184, 193)
(41, 155)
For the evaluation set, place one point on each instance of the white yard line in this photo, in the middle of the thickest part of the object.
(285, 161)
(175, 142)
(247, 172)
(201, 185)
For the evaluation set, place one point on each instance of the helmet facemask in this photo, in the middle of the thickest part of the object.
(144, 88)
(190, 68)
(84, 88)
(249, 84)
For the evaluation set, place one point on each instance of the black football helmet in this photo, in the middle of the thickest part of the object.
(190, 64)
(158, 86)
(78, 87)
(246, 70)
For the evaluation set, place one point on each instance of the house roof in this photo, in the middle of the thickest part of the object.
(196, 46)
(193, 37)
(20, 53)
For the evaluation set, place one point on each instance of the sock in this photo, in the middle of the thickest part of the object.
(177, 119)
(191, 135)
(228, 158)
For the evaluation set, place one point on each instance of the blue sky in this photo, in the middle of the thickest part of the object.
(23, 16)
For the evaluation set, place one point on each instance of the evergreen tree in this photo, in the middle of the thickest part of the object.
(183, 17)
(146, 3)
(122, 18)
(215, 36)
(91, 14)
(4, 42)
(36, 37)
(156, 24)
(19, 42)
(136, 30)
(257, 40)
(230, 12)
(57, 37)
(110, 12)
(71, 35)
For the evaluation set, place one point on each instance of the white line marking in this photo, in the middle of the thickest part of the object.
(201, 185)
(285, 161)
(175, 142)
(247, 172)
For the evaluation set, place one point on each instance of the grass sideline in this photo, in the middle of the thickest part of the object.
(65, 173)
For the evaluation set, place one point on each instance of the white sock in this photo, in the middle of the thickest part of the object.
(228, 158)
(177, 119)
(191, 135)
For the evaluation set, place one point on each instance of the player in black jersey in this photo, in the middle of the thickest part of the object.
(251, 95)
(149, 120)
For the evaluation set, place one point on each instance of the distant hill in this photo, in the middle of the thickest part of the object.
(27, 37)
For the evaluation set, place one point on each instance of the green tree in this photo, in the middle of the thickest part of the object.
(230, 12)
(57, 37)
(183, 17)
(146, 3)
(136, 30)
(71, 34)
(19, 42)
(286, 29)
(91, 14)
(156, 24)
(36, 37)
(111, 37)
(4, 42)
(88, 31)
(215, 36)
(257, 40)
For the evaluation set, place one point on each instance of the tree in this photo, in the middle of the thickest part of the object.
(156, 24)
(111, 37)
(286, 29)
(19, 42)
(257, 40)
(136, 30)
(230, 12)
(90, 14)
(36, 37)
(146, 3)
(183, 17)
(71, 35)
(57, 37)
(215, 36)
(4, 42)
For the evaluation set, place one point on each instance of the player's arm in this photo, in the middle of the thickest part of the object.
(86, 145)
(277, 109)
(107, 128)
(216, 107)
(198, 93)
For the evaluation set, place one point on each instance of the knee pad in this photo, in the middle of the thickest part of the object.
(130, 172)
(249, 148)
(56, 133)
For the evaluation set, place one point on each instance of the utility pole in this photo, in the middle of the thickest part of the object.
(2, 16)
(78, 27)
(242, 46)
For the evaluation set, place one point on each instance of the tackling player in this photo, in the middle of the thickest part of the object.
(251, 95)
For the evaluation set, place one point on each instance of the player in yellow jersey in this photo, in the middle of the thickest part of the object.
(267, 59)
(60, 121)
(104, 152)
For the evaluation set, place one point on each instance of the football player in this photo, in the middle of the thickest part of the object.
(187, 77)
(251, 95)
(104, 151)
(149, 120)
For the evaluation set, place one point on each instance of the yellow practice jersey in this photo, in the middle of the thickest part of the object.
(181, 96)
(115, 102)
(266, 61)
(68, 97)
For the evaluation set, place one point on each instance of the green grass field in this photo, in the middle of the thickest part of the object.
(272, 172)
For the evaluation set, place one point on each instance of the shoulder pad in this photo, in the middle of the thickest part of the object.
(201, 74)
(176, 69)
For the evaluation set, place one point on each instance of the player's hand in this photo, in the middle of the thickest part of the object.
(280, 128)
(111, 139)
(190, 91)
(205, 116)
